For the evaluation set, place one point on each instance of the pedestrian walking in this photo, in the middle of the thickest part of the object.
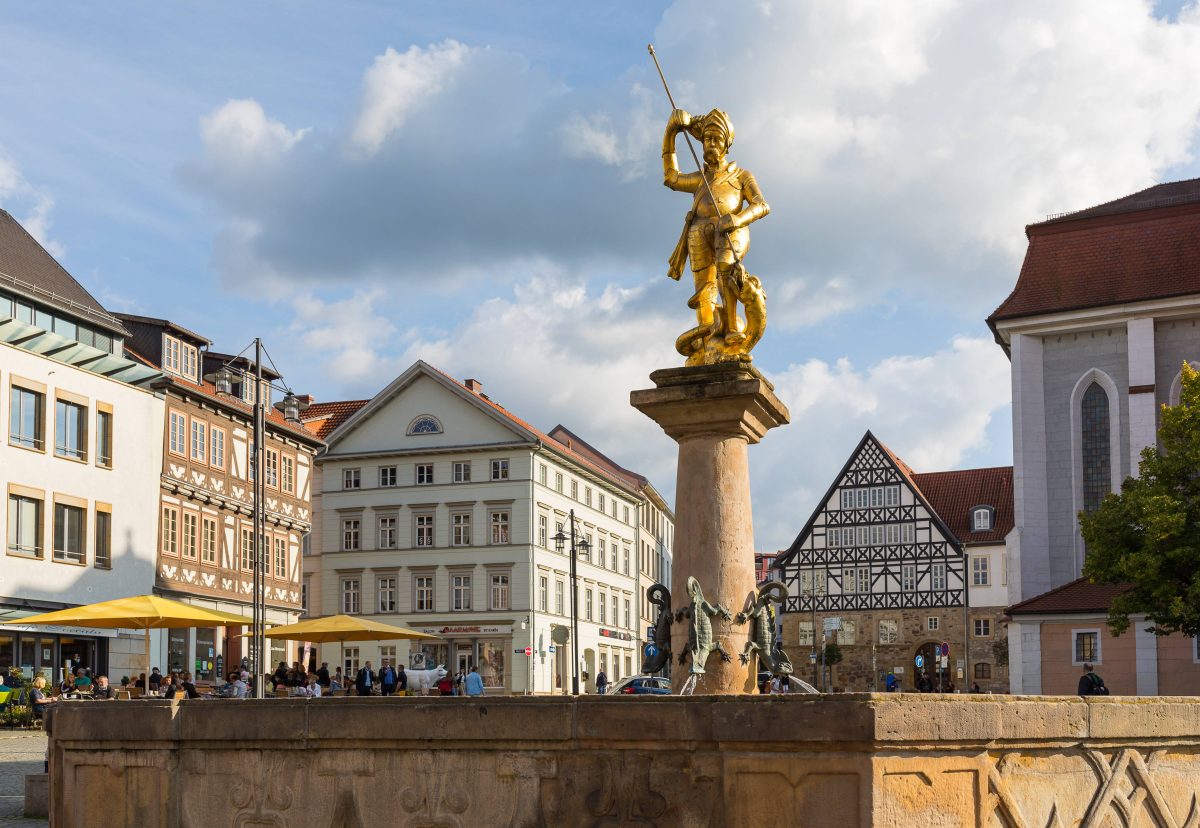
(601, 683)
(1091, 684)
(365, 681)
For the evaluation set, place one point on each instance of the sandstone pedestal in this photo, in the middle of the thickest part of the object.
(714, 412)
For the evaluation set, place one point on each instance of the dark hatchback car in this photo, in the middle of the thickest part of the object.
(642, 685)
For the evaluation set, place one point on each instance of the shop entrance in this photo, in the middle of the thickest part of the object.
(926, 677)
(465, 659)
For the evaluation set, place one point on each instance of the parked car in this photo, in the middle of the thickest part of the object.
(642, 685)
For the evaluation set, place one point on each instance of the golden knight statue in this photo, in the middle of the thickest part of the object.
(715, 237)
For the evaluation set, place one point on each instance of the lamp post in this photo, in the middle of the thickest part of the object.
(290, 406)
(578, 544)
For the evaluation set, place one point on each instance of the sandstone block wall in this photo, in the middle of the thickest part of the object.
(671, 761)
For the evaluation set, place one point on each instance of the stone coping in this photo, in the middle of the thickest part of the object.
(872, 722)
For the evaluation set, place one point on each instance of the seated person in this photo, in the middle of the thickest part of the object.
(102, 690)
(82, 683)
(169, 687)
(236, 688)
(189, 688)
(38, 697)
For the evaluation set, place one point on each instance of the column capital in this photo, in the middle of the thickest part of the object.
(726, 399)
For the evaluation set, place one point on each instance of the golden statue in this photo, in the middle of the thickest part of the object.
(715, 237)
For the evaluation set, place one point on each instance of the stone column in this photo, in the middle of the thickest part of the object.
(714, 412)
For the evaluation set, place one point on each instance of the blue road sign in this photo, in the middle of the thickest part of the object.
(651, 651)
(920, 661)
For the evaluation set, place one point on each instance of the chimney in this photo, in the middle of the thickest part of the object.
(306, 400)
(474, 386)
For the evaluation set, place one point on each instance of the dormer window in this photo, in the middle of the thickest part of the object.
(425, 424)
(179, 357)
(981, 519)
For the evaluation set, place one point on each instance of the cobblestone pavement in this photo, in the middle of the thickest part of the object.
(21, 752)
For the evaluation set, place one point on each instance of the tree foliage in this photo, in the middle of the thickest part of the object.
(832, 654)
(1148, 536)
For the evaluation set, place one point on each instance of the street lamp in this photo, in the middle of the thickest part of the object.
(291, 408)
(578, 544)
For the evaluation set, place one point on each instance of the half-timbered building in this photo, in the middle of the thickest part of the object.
(888, 569)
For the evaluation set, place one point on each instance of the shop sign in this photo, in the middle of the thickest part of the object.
(607, 633)
(467, 629)
(71, 631)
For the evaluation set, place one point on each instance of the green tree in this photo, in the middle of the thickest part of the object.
(832, 654)
(1148, 536)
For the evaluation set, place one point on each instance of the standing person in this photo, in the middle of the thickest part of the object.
(1091, 684)
(601, 683)
(473, 683)
(891, 683)
(365, 681)
(323, 675)
(401, 680)
(458, 681)
(387, 679)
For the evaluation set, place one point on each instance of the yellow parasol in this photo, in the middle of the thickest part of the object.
(343, 628)
(144, 612)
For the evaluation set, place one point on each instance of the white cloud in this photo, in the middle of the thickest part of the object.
(34, 205)
(238, 137)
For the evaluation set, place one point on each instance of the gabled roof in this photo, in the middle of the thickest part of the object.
(788, 555)
(28, 269)
(231, 403)
(324, 418)
(953, 494)
(580, 446)
(520, 427)
(134, 320)
(1080, 595)
(1139, 248)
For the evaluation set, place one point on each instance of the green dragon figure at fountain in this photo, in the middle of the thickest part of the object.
(761, 615)
(699, 614)
(660, 596)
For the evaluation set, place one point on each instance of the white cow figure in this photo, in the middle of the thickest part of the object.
(424, 680)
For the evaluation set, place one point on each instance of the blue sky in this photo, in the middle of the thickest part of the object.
(476, 184)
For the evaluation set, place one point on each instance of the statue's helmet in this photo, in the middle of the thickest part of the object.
(717, 120)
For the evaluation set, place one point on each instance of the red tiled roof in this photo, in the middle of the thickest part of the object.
(207, 389)
(953, 494)
(323, 418)
(1145, 246)
(1080, 595)
(573, 441)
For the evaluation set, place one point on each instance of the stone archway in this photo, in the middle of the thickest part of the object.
(928, 651)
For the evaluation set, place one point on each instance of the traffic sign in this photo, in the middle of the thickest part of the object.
(651, 651)
(920, 661)
(552, 648)
(945, 662)
(812, 658)
(650, 633)
(944, 649)
(529, 651)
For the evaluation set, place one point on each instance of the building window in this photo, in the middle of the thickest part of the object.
(246, 549)
(387, 476)
(907, 532)
(103, 558)
(499, 592)
(1087, 646)
(558, 482)
(460, 529)
(191, 534)
(937, 575)
(216, 453)
(386, 590)
(460, 595)
(847, 498)
(177, 433)
(891, 496)
(628, 615)
(626, 514)
(351, 596)
(424, 474)
(423, 593)
(272, 476)
(587, 604)
(171, 354)
(587, 497)
(877, 535)
(289, 474)
(612, 547)
(584, 549)
(804, 633)
(847, 633)
(574, 490)
(281, 557)
(500, 469)
(425, 424)
(543, 536)
(199, 440)
(983, 628)
(558, 597)
(423, 526)
(499, 524)
(26, 418)
(351, 478)
(542, 473)
(387, 533)
(1097, 475)
(304, 597)
(889, 632)
(983, 670)
(625, 560)
(350, 662)
(70, 430)
(876, 496)
(462, 472)
(543, 589)
(981, 519)
(810, 581)
(849, 582)
(69, 533)
(208, 540)
(932, 623)
(600, 501)
(24, 526)
(604, 609)
(170, 530)
(979, 570)
(350, 534)
(104, 439)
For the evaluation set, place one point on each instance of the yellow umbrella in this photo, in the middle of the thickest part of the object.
(144, 612)
(343, 628)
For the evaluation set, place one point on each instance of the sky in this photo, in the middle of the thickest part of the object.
(477, 184)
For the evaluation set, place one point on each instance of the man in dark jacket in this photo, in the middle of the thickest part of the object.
(387, 679)
(401, 679)
(1091, 684)
(366, 680)
(323, 675)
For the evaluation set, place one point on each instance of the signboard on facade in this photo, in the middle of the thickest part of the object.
(468, 629)
(618, 634)
(832, 624)
(71, 631)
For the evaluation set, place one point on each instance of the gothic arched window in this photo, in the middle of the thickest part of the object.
(1097, 469)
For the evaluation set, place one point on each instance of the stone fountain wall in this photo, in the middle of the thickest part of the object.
(883, 760)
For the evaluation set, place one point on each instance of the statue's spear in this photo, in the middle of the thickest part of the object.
(688, 138)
